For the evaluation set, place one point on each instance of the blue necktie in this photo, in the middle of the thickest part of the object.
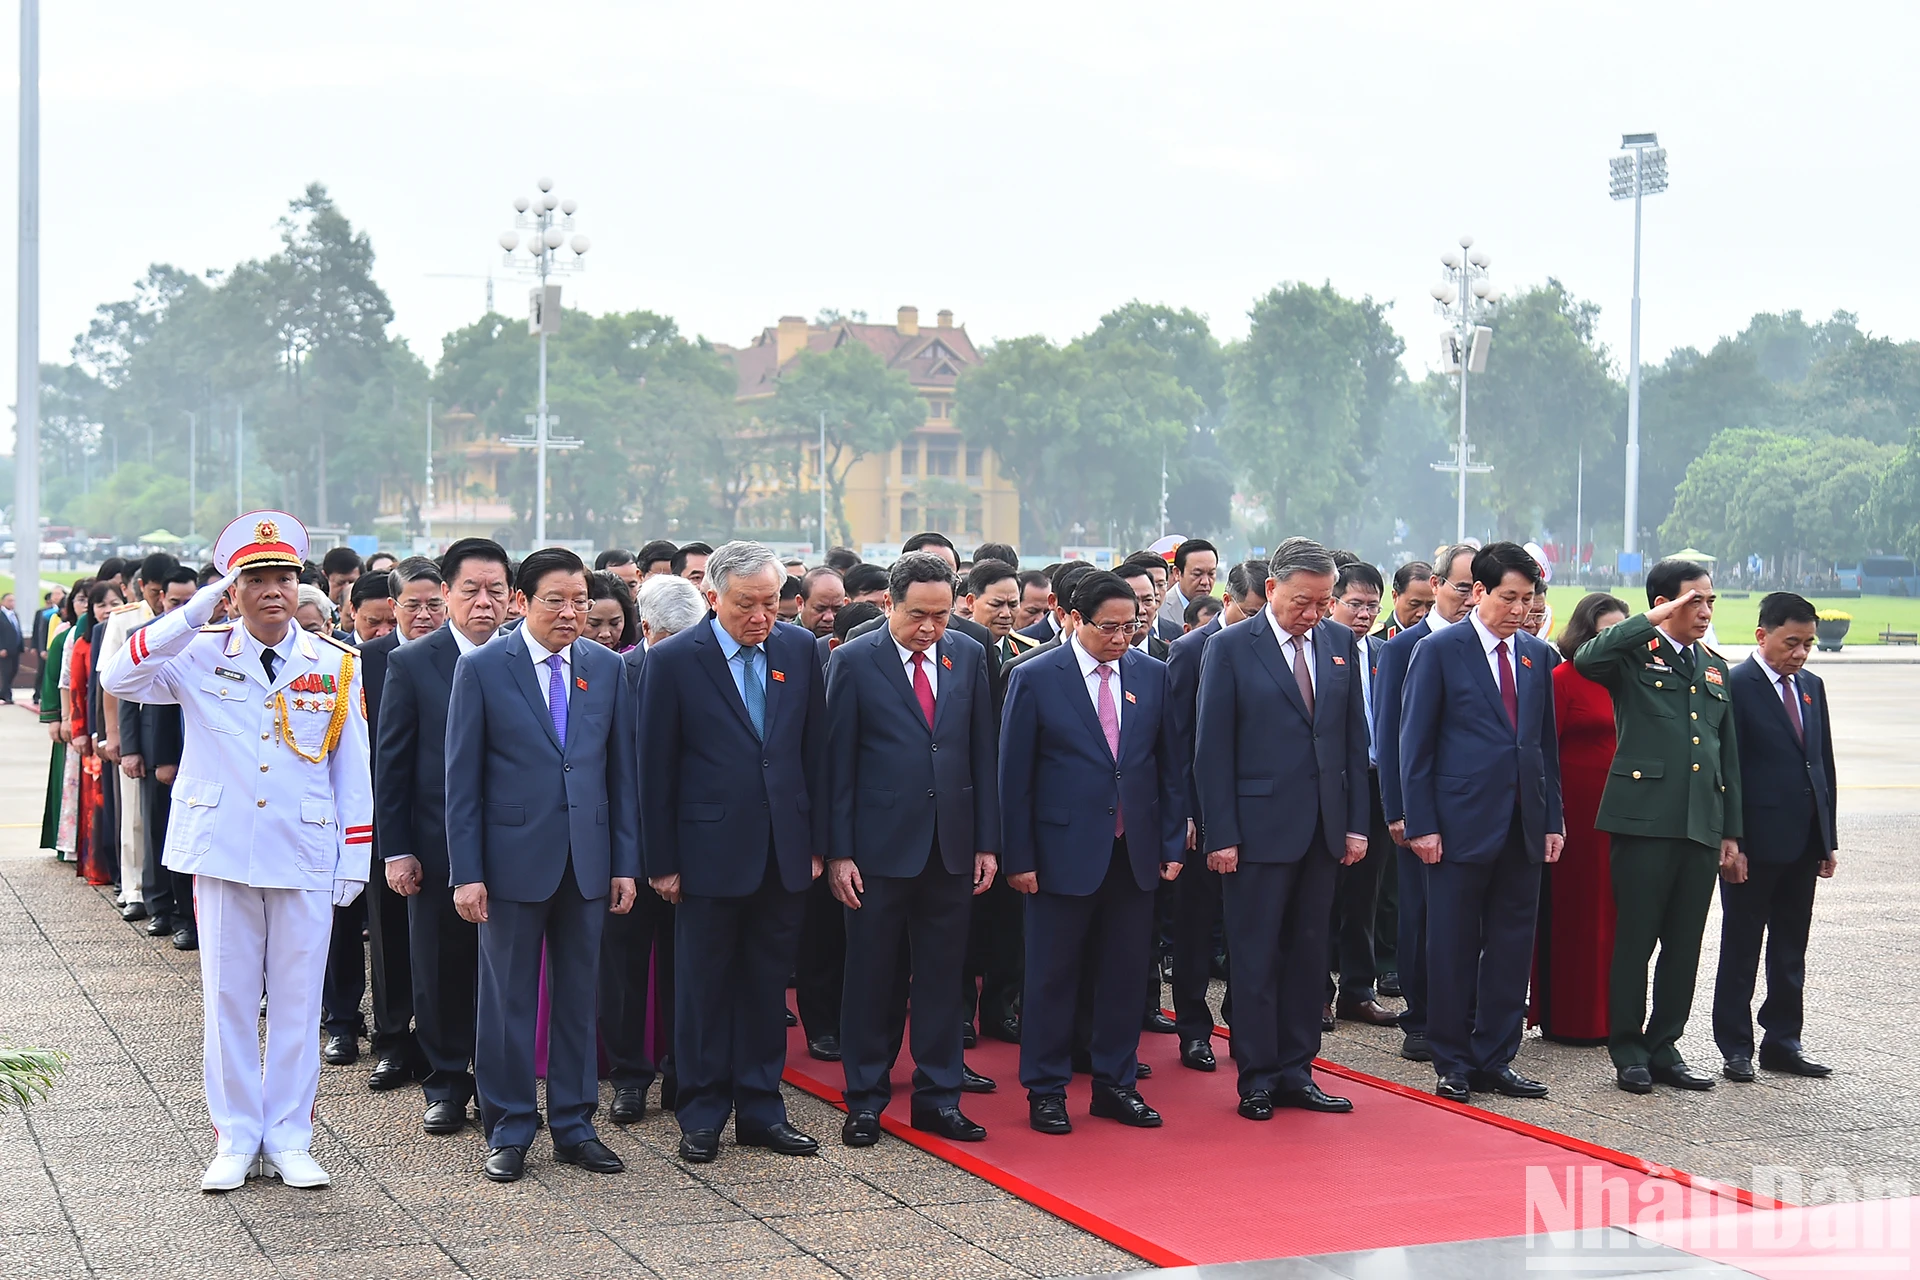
(557, 699)
(756, 693)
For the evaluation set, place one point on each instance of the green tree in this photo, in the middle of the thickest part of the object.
(868, 408)
(1894, 508)
(1688, 400)
(1784, 347)
(1307, 394)
(1869, 388)
(1777, 495)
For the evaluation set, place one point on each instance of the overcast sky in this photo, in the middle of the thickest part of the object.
(1028, 166)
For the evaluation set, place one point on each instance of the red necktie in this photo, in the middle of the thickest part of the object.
(1793, 710)
(1509, 695)
(922, 688)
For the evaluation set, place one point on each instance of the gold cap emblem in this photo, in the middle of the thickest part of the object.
(266, 531)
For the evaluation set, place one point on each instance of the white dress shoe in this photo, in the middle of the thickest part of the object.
(228, 1172)
(295, 1168)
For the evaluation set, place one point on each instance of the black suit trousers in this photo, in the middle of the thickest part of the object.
(444, 955)
(1774, 903)
(344, 984)
(996, 955)
(636, 953)
(732, 957)
(1480, 918)
(1411, 942)
(931, 913)
(168, 894)
(1196, 919)
(820, 971)
(391, 959)
(1276, 915)
(1356, 901)
(1110, 929)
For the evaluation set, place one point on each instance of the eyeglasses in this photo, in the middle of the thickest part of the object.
(1118, 628)
(563, 604)
(1460, 588)
(433, 604)
(1362, 606)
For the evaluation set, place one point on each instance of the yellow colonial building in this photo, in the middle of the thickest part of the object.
(934, 480)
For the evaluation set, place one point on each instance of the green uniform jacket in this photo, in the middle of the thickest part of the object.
(1676, 767)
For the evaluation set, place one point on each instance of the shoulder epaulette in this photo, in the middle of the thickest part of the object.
(341, 645)
(1713, 651)
(1020, 641)
(124, 607)
(216, 628)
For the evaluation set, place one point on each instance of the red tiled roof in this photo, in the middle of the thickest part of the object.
(923, 356)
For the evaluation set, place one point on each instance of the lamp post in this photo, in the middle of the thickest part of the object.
(1641, 172)
(1464, 297)
(26, 434)
(548, 218)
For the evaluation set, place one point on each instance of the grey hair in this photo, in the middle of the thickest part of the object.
(310, 594)
(1300, 555)
(1443, 567)
(918, 566)
(739, 560)
(412, 569)
(668, 604)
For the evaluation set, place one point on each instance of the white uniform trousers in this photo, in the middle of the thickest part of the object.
(249, 939)
(133, 837)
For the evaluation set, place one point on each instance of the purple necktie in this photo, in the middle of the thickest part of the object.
(1793, 710)
(1110, 725)
(1509, 694)
(557, 699)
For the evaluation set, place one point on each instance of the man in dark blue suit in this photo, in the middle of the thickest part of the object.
(1480, 774)
(1280, 758)
(543, 836)
(1452, 583)
(1092, 819)
(1196, 914)
(733, 743)
(914, 830)
(410, 822)
(1787, 786)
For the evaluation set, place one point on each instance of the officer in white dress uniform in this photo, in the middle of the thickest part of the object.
(273, 817)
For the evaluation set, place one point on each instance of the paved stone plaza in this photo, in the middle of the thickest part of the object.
(100, 1179)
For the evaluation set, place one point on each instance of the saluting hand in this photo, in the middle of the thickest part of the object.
(1659, 614)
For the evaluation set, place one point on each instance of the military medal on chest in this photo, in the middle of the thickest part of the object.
(311, 713)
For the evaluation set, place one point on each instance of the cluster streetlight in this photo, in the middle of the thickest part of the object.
(1465, 298)
(1641, 172)
(547, 219)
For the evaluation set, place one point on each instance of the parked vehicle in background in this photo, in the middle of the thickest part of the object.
(1880, 576)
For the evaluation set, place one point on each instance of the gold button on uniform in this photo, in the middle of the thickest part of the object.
(1659, 684)
(263, 768)
(1696, 768)
(1696, 742)
(260, 804)
(1696, 715)
(1636, 774)
(1693, 688)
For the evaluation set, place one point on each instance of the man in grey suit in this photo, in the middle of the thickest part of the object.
(543, 838)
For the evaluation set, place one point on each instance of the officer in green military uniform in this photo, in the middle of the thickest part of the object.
(1672, 805)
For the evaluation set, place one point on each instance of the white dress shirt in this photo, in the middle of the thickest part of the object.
(461, 642)
(1089, 667)
(542, 674)
(1686, 650)
(1287, 650)
(1776, 679)
(1365, 649)
(931, 667)
(253, 648)
(1490, 644)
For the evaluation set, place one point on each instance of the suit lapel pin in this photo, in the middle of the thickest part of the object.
(781, 676)
(1339, 662)
(1525, 661)
(1129, 697)
(947, 663)
(1807, 698)
(579, 684)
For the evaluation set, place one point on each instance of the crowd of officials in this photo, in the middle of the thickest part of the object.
(617, 813)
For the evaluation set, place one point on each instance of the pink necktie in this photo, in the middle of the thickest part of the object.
(1110, 725)
(1793, 710)
(1509, 695)
(921, 688)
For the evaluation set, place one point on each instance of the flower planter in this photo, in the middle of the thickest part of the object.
(1831, 633)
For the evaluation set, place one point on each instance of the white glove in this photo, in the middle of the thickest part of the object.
(198, 611)
(345, 891)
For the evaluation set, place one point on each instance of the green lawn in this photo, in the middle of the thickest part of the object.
(1734, 620)
(60, 575)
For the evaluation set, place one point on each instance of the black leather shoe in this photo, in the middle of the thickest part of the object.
(1792, 1062)
(445, 1116)
(1453, 1089)
(592, 1155)
(1389, 985)
(1198, 1054)
(1682, 1076)
(186, 940)
(159, 926)
(1327, 1021)
(951, 1123)
(340, 1051)
(782, 1139)
(629, 1105)
(824, 1048)
(1048, 1114)
(1369, 1012)
(133, 911)
(1413, 1047)
(1158, 1023)
(699, 1146)
(791, 1020)
(969, 1036)
(1634, 1079)
(862, 1129)
(1007, 1029)
(392, 1071)
(1124, 1105)
(1739, 1069)
(1312, 1099)
(1142, 1070)
(972, 1081)
(1257, 1105)
(1505, 1080)
(506, 1164)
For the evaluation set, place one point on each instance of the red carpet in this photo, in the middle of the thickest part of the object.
(1405, 1168)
